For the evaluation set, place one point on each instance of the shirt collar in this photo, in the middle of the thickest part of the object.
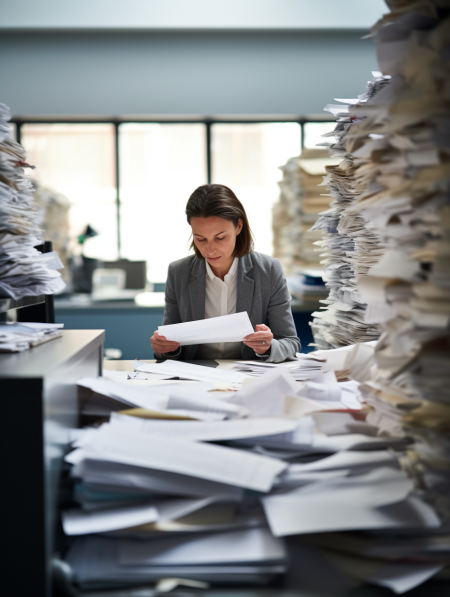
(232, 272)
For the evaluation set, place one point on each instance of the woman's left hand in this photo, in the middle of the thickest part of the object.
(260, 340)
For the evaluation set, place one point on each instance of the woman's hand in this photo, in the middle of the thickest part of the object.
(161, 345)
(260, 341)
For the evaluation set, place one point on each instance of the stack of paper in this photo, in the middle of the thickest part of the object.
(198, 401)
(211, 499)
(24, 271)
(306, 367)
(16, 337)
(168, 504)
(399, 151)
(351, 245)
(403, 152)
(298, 207)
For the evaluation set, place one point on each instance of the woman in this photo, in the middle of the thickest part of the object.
(226, 276)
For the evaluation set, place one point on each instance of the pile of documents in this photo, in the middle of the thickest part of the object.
(24, 271)
(351, 245)
(400, 150)
(297, 210)
(55, 208)
(186, 481)
(409, 288)
(17, 337)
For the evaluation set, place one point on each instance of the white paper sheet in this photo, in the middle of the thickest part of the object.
(374, 500)
(227, 328)
(347, 460)
(266, 396)
(119, 477)
(172, 509)
(206, 461)
(321, 392)
(185, 397)
(188, 371)
(253, 545)
(116, 375)
(404, 576)
(204, 431)
(78, 522)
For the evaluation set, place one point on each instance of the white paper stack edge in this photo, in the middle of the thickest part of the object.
(24, 271)
(297, 209)
(351, 246)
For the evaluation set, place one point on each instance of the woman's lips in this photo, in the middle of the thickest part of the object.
(213, 258)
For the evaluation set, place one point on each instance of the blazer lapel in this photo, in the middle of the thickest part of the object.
(245, 285)
(197, 290)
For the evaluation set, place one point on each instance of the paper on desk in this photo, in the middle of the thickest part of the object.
(192, 397)
(174, 508)
(227, 328)
(253, 545)
(321, 391)
(401, 577)
(206, 461)
(188, 371)
(266, 395)
(173, 414)
(378, 499)
(78, 522)
(115, 375)
(348, 460)
(118, 477)
(205, 431)
(358, 358)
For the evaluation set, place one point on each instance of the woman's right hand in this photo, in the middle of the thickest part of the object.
(161, 345)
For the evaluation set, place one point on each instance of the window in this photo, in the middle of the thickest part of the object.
(160, 166)
(131, 180)
(313, 132)
(77, 160)
(247, 157)
(13, 130)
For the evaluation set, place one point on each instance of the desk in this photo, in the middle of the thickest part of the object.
(129, 326)
(128, 365)
(40, 404)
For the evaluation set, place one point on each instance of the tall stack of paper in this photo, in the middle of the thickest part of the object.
(408, 291)
(297, 210)
(24, 271)
(55, 221)
(351, 245)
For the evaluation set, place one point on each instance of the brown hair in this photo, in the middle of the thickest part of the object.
(218, 200)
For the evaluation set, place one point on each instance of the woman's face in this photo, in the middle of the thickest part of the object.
(215, 238)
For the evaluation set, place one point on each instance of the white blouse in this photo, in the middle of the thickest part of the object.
(220, 299)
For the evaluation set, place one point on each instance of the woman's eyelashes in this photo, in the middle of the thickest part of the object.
(202, 240)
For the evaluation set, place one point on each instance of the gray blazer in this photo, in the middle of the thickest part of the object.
(261, 291)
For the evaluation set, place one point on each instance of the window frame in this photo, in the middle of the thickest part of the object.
(207, 122)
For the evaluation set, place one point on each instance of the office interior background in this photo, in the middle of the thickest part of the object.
(324, 475)
(125, 109)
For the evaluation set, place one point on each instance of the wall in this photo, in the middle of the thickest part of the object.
(196, 14)
(188, 73)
